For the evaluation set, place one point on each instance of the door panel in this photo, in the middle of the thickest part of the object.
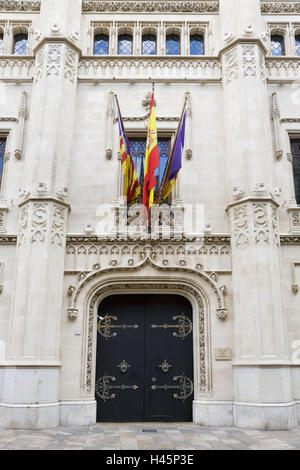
(144, 369)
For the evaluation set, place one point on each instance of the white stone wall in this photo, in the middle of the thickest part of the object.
(244, 107)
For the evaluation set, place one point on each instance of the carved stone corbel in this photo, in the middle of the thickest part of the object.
(110, 115)
(21, 128)
(72, 313)
(222, 313)
(188, 132)
(276, 126)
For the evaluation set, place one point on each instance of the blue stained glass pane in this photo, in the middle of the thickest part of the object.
(2, 153)
(196, 44)
(125, 44)
(20, 44)
(149, 44)
(101, 44)
(277, 45)
(297, 40)
(173, 44)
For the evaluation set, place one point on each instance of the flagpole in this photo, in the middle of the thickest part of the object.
(167, 170)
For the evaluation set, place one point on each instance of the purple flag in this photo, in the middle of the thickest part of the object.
(178, 149)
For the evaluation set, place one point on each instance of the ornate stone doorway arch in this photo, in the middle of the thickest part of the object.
(197, 287)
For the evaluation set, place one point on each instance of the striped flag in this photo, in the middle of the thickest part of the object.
(151, 159)
(175, 161)
(132, 188)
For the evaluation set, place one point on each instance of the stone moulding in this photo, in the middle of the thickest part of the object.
(209, 240)
(285, 239)
(20, 5)
(147, 6)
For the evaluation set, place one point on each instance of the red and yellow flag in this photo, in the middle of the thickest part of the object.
(132, 187)
(151, 159)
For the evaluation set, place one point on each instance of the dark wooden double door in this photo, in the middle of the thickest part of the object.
(144, 367)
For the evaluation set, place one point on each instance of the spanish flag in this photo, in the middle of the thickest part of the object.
(151, 159)
(132, 188)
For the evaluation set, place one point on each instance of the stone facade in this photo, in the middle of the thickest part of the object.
(66, 241)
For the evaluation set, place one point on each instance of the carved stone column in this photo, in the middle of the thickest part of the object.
(263, 396)
(30, 375)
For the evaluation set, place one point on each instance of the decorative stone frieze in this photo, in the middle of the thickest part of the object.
(158, 68)
(147, 6)
(17, 68)
(283, 69)
(85, 256)
(20, 5)
(283, 7)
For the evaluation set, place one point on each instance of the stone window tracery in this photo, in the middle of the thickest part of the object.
(149, 38)
(138, 149)
(1, 41)
(16, 38)
(196, 44)
(277, 45)
(2, 156)
(295, 148)
(297, 44)
(125, 43)
(20, 44)
(149, 46)
(101, 44)
(173, 44)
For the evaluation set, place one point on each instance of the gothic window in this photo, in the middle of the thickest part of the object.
(2, 153)
(295, 147)
(101, 42)
(125, 44)
(173, 44)
(138, 150)
(277, 45)
(196, 44)
(297, 42)
(20, 44)
(1, 42)
(149, 44)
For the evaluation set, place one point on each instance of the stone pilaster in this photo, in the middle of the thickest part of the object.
(30, 374)
(263, 397)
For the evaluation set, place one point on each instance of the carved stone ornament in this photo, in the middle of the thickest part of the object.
(147, 6)
(20, 5)
(72, 313)
(295, 289)
(280, 7)
(222, 313)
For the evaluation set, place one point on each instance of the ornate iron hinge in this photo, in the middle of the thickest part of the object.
(184, 326)
(105, 326)
(185, 387)
(103, 387)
